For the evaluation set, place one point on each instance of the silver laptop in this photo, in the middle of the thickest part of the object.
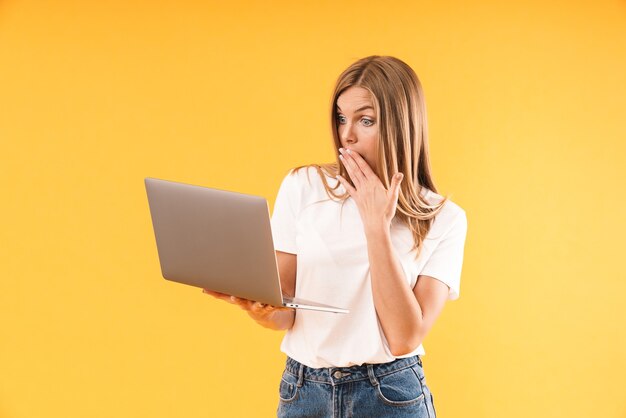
(218, 240)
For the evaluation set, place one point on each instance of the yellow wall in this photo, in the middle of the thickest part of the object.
(526, 104)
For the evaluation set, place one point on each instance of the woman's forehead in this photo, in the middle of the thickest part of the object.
(357, 97)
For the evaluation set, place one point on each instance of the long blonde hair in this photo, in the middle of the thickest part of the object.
(403, 138)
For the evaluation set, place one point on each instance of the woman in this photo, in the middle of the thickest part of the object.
(369, 233)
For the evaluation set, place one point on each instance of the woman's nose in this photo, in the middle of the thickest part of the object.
(347, 134)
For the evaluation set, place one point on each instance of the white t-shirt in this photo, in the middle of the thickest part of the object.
(333, 268)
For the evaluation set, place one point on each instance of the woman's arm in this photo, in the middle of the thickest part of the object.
(398, 311)
(405, 316)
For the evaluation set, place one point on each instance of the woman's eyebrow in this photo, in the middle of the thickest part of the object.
(359, 109)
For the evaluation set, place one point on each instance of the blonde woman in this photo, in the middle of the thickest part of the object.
(370, 233)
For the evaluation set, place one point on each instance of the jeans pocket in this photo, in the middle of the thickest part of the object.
(400, 388)
(288, 388)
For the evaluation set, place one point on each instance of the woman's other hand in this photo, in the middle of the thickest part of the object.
(266, 315)
(377, 205)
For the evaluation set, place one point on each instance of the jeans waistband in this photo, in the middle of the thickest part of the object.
(336, 375)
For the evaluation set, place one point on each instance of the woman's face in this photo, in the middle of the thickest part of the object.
(356, 123)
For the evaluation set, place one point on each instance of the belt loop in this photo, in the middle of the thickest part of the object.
(372, 376)
(300, 375)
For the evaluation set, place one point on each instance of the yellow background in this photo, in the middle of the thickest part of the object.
(526, 105)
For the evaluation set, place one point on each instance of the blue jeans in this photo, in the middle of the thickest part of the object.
(395, 389)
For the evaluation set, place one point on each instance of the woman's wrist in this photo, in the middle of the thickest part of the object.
(279, 319)
(377, 230)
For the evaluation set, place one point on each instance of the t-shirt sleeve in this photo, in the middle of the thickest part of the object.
(285, 214)
(446, 261)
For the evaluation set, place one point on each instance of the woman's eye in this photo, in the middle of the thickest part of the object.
(366, 122)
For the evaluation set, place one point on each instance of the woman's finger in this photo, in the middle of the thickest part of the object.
(245, 304)
(362, 165)
(258, 307)
(398, 178)
(218, 295)
(353, 169)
